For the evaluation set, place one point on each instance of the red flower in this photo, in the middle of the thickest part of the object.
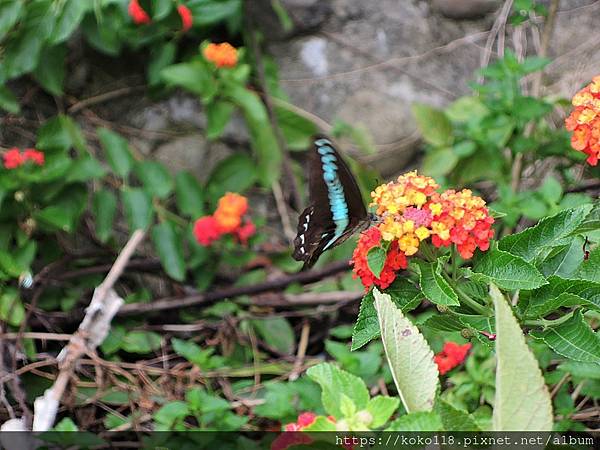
(13, 158)
(245, 232)
(206, 230)
(31, 154)
(137, 13)
(186, 17)
(395, 260)
(451, 356)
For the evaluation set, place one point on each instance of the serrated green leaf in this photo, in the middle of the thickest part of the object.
(522, 401)
(545, 299)
(409, 356)
(189, 195)
(155, 178)
(591, 221)
(580, 369)
(104, 208)
(433, 125)
(434, 287)
(508, 271)
(85, 169)
(551, 190)
(376, 260)
(169, 250)
(333, 382)
(439, 161)
(117, 152)
(417, 422)
(573, 339)
(547, 233)
(563, 260)
(455, 419)
(193, 76)
(138, 208)
(589, 268)
(381, 409)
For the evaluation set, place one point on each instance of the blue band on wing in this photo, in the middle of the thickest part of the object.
(337, 200)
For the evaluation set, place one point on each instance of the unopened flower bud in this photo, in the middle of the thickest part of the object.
(342, 425)
(466, 333)
(19, 196)
(442, 308)
(364, 417)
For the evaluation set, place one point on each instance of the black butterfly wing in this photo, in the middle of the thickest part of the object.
(336, 208)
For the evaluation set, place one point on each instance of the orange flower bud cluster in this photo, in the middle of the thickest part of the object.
(584, 121)
(221, 55)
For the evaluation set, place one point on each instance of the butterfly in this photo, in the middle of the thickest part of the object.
(336, 210)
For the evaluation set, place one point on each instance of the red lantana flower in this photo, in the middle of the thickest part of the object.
(246, 231)
(37, 157)
(206, 230)
(186, 17)
(13, 158)
(292, 436)
(137, 13)
(452, 355)
(394, 261)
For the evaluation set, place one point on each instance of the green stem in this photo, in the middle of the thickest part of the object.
(465, 298)
(549, 323)
(454, 263)
(164, 214)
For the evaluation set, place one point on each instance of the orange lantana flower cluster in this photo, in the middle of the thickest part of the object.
(584, 121)
(227, 218)
(221, 55)
(412, 211)
(452, 355)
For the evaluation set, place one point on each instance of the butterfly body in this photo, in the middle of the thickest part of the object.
(336, 209)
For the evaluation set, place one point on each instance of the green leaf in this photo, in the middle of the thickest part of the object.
(588, 268)
(320, 424)
(434, 287)
(117, 152)
(508, 271)
(193, 353)
(262, 137)
(189, 195)
(70, 15)
(574, 339)
(161, 57)
(171, 413)
(277, 332)
(580, 369)
(547, 233)
(563, 260)
(234, 174)
(104, 208)
(376, 260)
(405, 296)
(455, 419)
(11, 307)
(466, 109)
(10, 12)
(65, 211)
(218, 115)
(85, 169)
(522, 401)
(193, 76)
(560, 292)
(208, 13)
(439, 161)
(8, 101)
(169, 250)
(551, 190)
(530, 108)
(22, 52)
(161, 9)
(59, 134)
(10, 265)
(381, 409)
(534, 63)
(591, 221)
(409, 356)
(141, 342)
(154, 176)
(433, 125)
(335, 381)
(138, 208)
(417, 422)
